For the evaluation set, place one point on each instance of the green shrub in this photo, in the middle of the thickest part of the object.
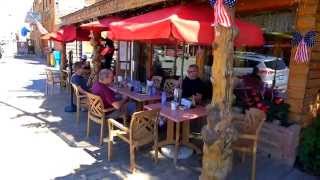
(309, 149)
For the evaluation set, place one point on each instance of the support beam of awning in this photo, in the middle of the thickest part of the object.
(107, 7)
(247, 6)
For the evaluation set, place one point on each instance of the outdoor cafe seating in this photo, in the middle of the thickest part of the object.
(143, 130)
(53, 78)
(97, 113)
(81, 101)
(249, 129)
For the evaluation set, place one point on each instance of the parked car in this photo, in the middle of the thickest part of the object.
(268, 67)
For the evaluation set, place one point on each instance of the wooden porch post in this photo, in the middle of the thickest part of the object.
(149, 61)
(218, 133)
(304, 79)
(200, 60)
(96, 59)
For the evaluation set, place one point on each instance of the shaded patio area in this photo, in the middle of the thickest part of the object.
(50, 117)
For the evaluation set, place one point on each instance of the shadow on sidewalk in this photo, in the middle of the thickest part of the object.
(51, 115)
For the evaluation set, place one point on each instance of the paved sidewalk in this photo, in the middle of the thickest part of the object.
(41, 141)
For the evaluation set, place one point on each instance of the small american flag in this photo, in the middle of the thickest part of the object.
(220, 13)
(303, 44)
(302, 54)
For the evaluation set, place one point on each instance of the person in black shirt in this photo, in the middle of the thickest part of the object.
(107, 53)
(192, 86)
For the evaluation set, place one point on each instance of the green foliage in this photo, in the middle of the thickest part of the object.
(309, 149)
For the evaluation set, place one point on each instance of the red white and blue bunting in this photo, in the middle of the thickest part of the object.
(303, 44)
(221, 15)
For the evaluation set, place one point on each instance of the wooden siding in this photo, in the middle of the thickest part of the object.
(106, 7)
(304, 79)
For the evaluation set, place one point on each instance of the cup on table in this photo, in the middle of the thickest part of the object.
(120, 79)
(174, 105)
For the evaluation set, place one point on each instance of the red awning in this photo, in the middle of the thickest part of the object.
(100, 25)
(68, 34)
(190, 23)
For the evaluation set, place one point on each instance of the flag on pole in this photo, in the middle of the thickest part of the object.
(35, 18)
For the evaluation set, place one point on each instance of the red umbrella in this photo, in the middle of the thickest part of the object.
(100, 25)
(68, 34)
(190, 23)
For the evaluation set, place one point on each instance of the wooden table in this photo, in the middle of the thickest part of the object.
(140, 98)
(179, 117)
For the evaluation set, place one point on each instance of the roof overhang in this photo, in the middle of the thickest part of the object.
(104, 8)
(108, 7)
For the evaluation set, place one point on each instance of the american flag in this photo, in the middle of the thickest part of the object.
(220, 13)
(302, 54)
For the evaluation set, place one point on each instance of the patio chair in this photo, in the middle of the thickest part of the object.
(97, 113)
(65, 77)
(249, 130)
(81, 101)
(52, 80)
(157, 81)
(169, 86)
(143, 130)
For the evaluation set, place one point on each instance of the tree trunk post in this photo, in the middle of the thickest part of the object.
(218, 134)
(96, 58)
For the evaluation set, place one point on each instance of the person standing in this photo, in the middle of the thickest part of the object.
(107, 53)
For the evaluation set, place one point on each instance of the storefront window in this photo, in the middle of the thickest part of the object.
(168, 61)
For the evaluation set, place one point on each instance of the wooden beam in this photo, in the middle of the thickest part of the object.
(106, 7)
(246, 6)
(149, 61)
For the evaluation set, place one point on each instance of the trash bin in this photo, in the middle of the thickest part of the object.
(57, 59)
(51, 59)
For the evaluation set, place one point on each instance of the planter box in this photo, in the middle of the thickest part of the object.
(280, 142)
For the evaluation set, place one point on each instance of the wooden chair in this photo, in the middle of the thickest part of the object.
(249, 135)
(143, 130)
(157, 81)
(97, 114)
(52, 80)
(169, 86)
(81, 101)
(65, 77)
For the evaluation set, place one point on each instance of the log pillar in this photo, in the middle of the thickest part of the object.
(96, 58)
(149, 61)
(200, 60)
(304, 79)
(218, 134)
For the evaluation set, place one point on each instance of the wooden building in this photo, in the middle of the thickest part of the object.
(304, 79)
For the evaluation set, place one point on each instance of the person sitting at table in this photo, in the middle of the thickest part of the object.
(101, 88)
(78, 78)
(192, 85)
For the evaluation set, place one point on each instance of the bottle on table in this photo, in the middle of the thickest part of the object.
(163, 98)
